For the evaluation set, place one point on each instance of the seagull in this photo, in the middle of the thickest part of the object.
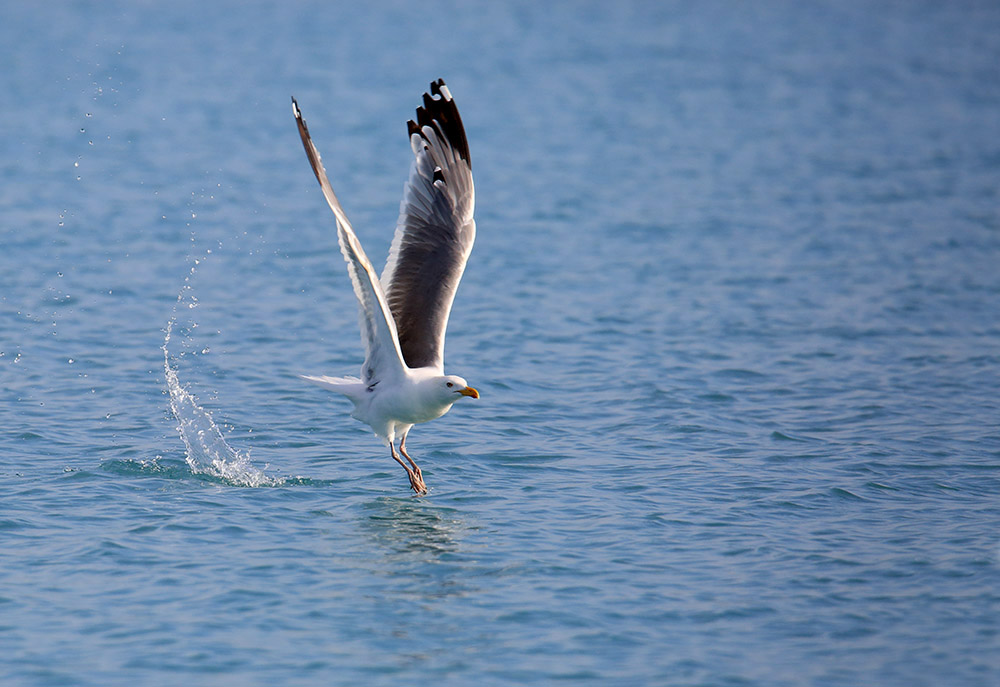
(404, 314)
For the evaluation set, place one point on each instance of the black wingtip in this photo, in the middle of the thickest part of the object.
(440, 113)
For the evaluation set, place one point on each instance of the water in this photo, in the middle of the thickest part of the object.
(733, 312)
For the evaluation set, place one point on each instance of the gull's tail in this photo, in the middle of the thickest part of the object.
(348, 386)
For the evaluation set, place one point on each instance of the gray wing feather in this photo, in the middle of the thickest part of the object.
(383, 358)
(434, 233)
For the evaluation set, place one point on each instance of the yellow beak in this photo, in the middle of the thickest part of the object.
(468, 391)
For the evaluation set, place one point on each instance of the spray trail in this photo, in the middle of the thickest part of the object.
(206, 449)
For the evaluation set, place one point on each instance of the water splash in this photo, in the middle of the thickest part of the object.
(206, 449)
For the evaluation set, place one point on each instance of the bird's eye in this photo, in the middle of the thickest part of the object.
(450, 385)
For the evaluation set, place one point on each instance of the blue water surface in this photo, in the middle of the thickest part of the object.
(734, 312)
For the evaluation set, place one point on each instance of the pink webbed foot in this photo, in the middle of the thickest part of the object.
(417, 482)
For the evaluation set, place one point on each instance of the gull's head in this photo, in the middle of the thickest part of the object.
(453, 388)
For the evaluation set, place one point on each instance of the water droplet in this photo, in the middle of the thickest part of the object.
(82, 130)
(89, 115)
(76, 164)
(59, 274)
(70, 361)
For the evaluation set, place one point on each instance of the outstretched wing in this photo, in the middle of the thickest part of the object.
(434, 233)
(378, 331)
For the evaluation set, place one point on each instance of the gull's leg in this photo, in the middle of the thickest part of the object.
(402, 449)
(416, 481)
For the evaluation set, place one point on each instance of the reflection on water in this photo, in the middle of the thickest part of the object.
(422, 548)
(412, 527)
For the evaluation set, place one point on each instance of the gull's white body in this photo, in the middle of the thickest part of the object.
(412, 399)
(404, 315)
